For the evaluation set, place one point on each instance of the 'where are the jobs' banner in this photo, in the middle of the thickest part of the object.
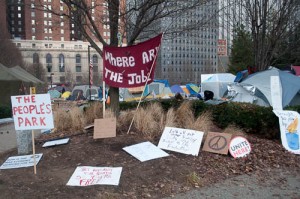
(128, 67)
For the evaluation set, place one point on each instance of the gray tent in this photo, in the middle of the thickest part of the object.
(11, 80)
(256, 88)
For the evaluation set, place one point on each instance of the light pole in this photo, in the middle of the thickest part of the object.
(90, 72)
(51, 80)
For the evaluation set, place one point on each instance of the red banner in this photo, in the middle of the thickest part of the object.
(128, 67)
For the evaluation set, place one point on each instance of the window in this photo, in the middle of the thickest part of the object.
(61, 61)
(32, 14)
(49, 62)
(33, 37)
(33, 22)
(62, 23)
(35, 58)
(78, 59)
(45, 14)
(50, 23)
(62, 31)
(62, 39)
(95, 63)
(33, 30)
(19, 8)
(19, 15)
(33, 45)
(78, 69)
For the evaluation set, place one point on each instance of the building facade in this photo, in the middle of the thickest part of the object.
(44, 36)
(184, 56)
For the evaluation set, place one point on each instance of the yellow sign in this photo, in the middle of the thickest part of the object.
(32, 90)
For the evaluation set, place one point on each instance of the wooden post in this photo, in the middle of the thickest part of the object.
(32, 92)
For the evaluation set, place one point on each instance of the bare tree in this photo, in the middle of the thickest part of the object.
(9, 54)
(131, 19)
(270, 23)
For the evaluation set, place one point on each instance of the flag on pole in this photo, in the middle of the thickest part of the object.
(91, 72)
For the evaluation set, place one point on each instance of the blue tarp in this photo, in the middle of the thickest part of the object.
(176, 89)
(191, 88)
(241, 75)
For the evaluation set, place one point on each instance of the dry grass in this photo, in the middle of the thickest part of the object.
(184, 115)
(149, 121)
(194, 180)
(124, 120)
(94, 111)
(171, 118)
(71, 120)
(203, 123)
(235, 131)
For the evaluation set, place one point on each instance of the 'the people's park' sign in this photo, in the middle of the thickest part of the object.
(32, 112)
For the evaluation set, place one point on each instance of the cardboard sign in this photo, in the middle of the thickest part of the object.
(32, 112)
(239, 147)
(181, 140)
(105, 128)
(86, 176)
(217, 142)
(145, 151)
(21, 161)
(56, 142)
(289, 130)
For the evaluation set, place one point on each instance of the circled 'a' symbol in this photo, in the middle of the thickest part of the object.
(217, 142)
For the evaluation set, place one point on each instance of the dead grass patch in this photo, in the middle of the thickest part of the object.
(149, 121)
(184, 115)
(203, 123)
(171, 118)
(94, 111)
(234, 131)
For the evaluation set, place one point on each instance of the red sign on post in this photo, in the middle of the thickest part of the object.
(129, 66)
(32, 112)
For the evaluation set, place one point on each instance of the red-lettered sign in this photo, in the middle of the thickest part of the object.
(129, 66)
(239, 147)
(32, 112)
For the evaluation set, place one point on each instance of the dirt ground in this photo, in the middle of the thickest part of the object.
(156, 178)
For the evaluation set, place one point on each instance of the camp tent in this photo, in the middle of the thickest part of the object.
(11, 80)
(258, 86)
(193, 89)
(217, 83)
(156, 89)
(177, 89)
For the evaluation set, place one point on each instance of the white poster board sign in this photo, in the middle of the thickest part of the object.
(56, 142)
(181, 140)
(239, 147)
(86, 176)
(289, 130)
(276, 92)
(145, 151)
(21, 161)
(32, 112)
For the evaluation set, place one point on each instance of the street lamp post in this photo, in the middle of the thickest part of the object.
(51, 80)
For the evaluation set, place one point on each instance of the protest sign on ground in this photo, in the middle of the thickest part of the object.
(56, 142)
(217, 142)
(181, 140)
(86, 176)
(145, 151)
(21, 161)
(239, 147)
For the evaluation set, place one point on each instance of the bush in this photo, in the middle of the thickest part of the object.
(5, 111)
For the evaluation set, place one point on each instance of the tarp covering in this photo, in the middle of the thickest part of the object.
(193, 89)
(176, 89)
(54, 94)
(217, 83)
(260, 89)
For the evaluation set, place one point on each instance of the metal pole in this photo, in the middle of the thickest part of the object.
(89, 59)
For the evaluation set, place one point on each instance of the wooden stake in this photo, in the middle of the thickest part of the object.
(33, 152)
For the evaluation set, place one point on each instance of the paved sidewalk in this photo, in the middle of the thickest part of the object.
(278, 184)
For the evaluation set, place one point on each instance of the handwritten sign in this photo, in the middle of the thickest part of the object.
(239, 147)
(56, 142)
(181, 140)
(217, 142)
(86, 176)
(289, 129)
(130, 66)
(145, 151)
(32, 112)
(21, 161)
